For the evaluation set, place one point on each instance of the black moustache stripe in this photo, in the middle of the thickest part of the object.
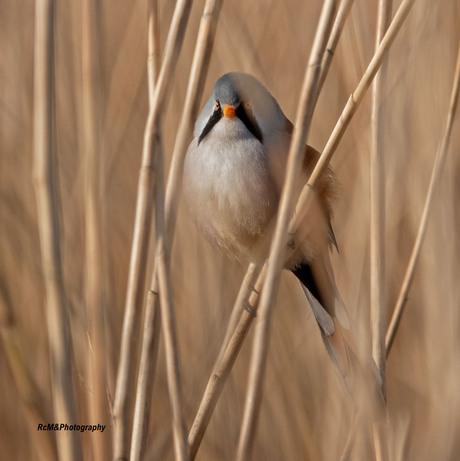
(247, 117)
(215, 117)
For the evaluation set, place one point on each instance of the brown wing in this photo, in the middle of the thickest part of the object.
(326, 189)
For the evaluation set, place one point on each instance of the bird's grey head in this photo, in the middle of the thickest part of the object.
(241, 95)
(229, 89)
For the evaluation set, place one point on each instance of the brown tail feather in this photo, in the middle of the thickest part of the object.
(358, 378)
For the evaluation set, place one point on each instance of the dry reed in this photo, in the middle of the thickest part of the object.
(95, 249)
(47, 196)
(341, 17)
(152, 315)
(377, 212)
(377, 219)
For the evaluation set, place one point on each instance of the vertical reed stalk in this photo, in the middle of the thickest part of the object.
(152, 316)
(153, 49)
(95, 269)
(146, 377)
(377, 199)
(434, 180)
(46, 191)
(336, 32)
(277, 251)
(167, 316)
(377, 221)
(127, 368)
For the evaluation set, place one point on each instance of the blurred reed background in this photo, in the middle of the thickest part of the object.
(305, 415)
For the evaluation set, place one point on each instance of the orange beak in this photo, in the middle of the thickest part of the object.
(229, 111)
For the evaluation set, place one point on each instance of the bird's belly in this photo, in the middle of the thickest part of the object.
(231, 195)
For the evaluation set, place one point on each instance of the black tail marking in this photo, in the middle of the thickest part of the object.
(305, 275)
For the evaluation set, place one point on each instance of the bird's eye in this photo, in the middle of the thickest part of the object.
(217, 106)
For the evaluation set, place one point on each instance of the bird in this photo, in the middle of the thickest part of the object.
(233, 176)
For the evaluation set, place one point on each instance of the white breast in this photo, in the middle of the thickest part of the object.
(229, 187)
